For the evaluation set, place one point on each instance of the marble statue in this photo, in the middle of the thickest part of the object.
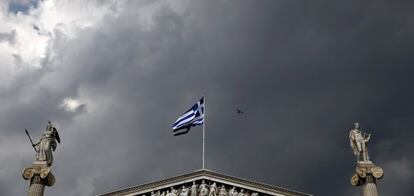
(242, 193)
(184, 191)
(213, 190)
(366, 173)
(194, 189)
(210, 188)
(358, 142)
(46, 144)
(203, 190)
(174, 192)
(222, 191)
(233, 192)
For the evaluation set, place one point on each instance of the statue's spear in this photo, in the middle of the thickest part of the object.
(27, 133)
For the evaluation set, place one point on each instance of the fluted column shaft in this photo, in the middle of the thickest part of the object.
(37, 186)
(370, 187)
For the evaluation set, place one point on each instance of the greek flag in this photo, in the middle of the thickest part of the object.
(193, 117)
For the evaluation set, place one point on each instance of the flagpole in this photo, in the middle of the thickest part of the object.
(204, 124)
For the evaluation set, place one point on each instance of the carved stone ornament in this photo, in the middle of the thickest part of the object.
(365, 171)
(355, 180)
(28, 173)
(377, 172)
(205, 183)
(361, 171)
(42, 171)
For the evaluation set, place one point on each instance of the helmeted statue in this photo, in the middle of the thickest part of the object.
(39, 174)
(358, 142)
(46, 144)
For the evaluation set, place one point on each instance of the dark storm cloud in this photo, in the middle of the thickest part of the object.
(302, 72)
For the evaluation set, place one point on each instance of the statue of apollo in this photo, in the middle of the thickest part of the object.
(358, 142)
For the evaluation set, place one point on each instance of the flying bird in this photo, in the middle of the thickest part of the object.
(239, 111)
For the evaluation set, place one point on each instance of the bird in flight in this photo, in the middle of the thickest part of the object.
(239, 111)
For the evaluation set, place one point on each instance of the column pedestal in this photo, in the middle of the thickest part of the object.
(366, 175)
(39, 175)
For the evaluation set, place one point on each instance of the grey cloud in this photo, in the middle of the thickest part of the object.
(303, 72)
(8, 37)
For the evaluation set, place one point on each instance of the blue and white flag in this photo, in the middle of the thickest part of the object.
(193, 117)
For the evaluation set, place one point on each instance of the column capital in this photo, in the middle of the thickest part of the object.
(366, 172)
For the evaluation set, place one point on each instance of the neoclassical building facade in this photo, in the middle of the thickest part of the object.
(204, 183)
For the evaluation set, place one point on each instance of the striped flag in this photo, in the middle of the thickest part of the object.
(193, 117)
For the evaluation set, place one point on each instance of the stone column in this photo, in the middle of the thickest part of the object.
(37, 186)
(370, 186)
(366, 175)
(39, 176)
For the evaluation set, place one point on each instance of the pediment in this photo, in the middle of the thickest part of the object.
(205, 183)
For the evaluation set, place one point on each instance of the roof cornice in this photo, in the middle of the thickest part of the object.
(208, 175)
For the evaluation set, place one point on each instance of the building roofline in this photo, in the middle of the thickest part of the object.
(204, 174)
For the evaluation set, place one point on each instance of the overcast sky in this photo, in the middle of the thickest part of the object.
(114, 75)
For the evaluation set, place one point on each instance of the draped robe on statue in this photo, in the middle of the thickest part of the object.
(46, 144)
